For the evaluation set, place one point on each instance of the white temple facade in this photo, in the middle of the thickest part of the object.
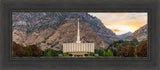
(78, 48)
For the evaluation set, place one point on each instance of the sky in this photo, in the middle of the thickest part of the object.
(121, 23)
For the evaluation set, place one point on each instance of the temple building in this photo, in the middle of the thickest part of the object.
(78, 48)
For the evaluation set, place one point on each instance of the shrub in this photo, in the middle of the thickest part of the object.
(91, 54)
(86, 54)
(65, 54)
(70, 54)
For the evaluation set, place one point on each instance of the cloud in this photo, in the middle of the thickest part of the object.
(116, 30)
(122, 22)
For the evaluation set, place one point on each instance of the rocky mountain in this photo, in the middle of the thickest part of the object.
(140, 34)
(67, 33)
(124, 36)
(50, 30)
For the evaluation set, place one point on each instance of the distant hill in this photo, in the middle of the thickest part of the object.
(50, 30)
(140, 34)
(124, 36)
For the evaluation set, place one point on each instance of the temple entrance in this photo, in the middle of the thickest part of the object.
(78, 55)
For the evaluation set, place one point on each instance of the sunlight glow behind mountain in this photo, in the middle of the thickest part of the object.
(121, 23)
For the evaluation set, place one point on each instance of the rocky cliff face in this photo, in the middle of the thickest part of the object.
(50, 30)
(140, 34)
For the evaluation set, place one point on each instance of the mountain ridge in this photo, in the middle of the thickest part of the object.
(39, 28)
(140, 34)
(124, 36)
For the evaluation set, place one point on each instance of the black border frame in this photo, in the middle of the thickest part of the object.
(7, 64)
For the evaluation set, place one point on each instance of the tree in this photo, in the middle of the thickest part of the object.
(29, 51)
(45, 52)
(105, 53)
(95, 51)
(141, 50)
(60, 52)
(52, 53)
(101, 52)
(134, 40)
(34, 51)
(127, 51)
(18, 50)
(118, 46)
(109, 53)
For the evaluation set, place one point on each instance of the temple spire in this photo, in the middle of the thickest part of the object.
(78, 34)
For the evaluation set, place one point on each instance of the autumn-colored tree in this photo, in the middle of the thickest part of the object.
(21, 51)
(124, 52)
(141, 50)
(117, 46)
(18, 50)
(34, 51)
(127, 51)
(28, 51)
